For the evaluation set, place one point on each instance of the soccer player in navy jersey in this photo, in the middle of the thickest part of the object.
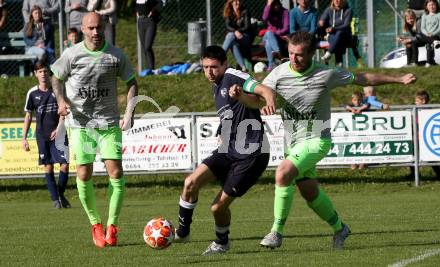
(241, 157)
(41, 100)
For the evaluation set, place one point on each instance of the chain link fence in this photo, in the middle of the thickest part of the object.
(171, 40)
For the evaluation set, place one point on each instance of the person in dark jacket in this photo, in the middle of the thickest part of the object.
(336, 20)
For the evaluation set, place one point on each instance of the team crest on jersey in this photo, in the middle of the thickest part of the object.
(224, 92)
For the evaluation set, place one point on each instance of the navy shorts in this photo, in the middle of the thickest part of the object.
(48, 153)
(237, 176)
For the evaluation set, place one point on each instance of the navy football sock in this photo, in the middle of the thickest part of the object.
(222, 233)
(52, 186)
(62, 182)
(186, 210)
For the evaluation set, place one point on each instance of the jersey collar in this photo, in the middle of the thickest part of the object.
(300, 74)
(94, 53)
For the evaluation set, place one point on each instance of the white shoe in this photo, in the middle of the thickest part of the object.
(326, 56)
(215, 248)
(178, 239)
(272, 240)
(427, 65)
(436, 44)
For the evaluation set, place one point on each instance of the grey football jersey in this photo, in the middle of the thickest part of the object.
(91, 84)
(306, 110)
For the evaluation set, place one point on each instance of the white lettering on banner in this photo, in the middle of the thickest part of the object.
(429, 134)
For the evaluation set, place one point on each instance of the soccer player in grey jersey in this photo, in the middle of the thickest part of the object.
(89, 71)
(306, 87)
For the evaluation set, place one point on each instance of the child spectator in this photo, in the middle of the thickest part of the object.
(411, 27)
(371, 99)
(303, 17)
(431, 30)
(72, 38)
(356, 107)
(41, 100)
(336, 20)
(238, 25)
(422, 98)
(277, 19)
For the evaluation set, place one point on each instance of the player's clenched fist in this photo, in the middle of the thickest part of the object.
(235, 91)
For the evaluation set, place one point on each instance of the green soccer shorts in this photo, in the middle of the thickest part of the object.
(85, 142)
(306, 154)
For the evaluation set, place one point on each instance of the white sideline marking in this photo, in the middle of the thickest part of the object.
(428, 254)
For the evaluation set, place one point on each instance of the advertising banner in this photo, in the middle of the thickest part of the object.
(370, 137)
(13, 159)
(429, 134)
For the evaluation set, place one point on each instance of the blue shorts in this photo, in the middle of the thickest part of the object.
(53, 151)
(236, 176)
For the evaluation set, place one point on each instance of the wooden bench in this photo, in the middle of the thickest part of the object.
(15, 40)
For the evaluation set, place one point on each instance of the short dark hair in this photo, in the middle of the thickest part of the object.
(215, 52)
(40, 65)
(73, 30)
(423, 95)
(304, 38)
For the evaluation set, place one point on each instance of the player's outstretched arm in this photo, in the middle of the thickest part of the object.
(128, 120)
(366, 78)
(58, 90)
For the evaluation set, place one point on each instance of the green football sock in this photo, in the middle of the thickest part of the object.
(282, 205)
(116, 196)
(323, 207)
(88, 201)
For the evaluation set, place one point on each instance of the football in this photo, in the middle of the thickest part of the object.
(159, 233)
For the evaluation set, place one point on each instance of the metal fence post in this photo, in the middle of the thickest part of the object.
(61, 21)
(140, 56)
(208, 22)
(370, 29)
(416, 147)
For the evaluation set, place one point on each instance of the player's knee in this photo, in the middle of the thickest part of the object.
(115, 173)
(308, 188)
(190, 186)
(64, 167)
(283, 177)
(218, 208)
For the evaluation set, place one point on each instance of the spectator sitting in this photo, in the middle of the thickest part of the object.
(238, 25)
(303, 17)
(356, 107)
(417, 6)
(430, 29)
(411, 26)
(371, 99)
(336, 20)
(3, 14)
(422, 98)
(72, 38)
(49, 9)
(107, 9)
(37, 35)
(75, 11)
(277, 19)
